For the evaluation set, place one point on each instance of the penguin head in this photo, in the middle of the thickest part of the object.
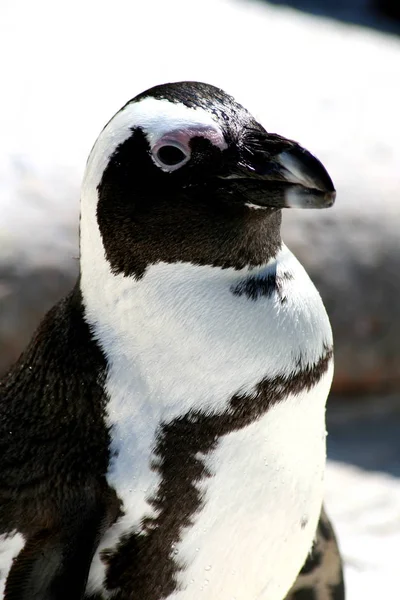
(184, 173)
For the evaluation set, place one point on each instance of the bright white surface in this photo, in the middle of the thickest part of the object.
(365, 509)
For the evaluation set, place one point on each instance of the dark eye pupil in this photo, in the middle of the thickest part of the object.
(170, 155)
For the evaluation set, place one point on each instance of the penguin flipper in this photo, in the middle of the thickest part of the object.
(321, 577)
(54, 563)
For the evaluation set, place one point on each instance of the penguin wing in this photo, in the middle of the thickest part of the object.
(321, 577)
(54, 500)
(55, 560)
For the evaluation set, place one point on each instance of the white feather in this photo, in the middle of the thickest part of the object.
(248, 542)
(156, 118)
(179, 339)
(11, 545)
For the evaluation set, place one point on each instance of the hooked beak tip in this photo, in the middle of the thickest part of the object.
(312, 186)
(303, 168)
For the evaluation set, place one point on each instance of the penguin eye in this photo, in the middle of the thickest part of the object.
(171, 156)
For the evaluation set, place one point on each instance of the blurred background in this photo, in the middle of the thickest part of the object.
(326, 73)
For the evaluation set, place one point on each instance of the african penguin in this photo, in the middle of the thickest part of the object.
(163, 435)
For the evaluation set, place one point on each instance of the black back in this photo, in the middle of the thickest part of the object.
(54, 448)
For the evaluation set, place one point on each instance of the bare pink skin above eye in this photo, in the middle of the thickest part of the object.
(182, 137)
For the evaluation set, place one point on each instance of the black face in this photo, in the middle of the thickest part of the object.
(203, 201)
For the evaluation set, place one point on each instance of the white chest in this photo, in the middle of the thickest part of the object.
(261, 505)
(179, 340)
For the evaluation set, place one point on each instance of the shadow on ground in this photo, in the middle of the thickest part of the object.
(357, 12)
(365, 434)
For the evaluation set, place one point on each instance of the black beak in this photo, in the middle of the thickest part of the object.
(279, 173)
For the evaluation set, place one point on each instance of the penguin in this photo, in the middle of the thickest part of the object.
(163, 435)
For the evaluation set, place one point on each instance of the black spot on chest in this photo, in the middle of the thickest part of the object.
(263, 285)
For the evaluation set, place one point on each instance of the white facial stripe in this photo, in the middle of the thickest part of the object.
(157, 118)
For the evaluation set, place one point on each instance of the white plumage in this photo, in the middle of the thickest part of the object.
(173, 341)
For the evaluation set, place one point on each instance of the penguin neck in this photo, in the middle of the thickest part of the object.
(122, 244)
(152, 326)
(109, 292)
(131, 312)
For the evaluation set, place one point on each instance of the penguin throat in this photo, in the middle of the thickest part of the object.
(138, 234)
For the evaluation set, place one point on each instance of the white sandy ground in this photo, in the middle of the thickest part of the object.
(66, 67)
(365, 508)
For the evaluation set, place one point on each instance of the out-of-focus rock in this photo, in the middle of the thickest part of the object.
(38, 248)
(332, 87)
(25, 296)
